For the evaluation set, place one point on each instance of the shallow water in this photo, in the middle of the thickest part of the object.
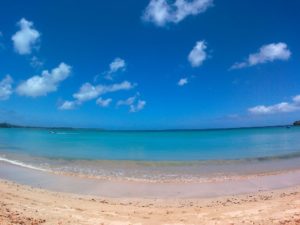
(126, 189)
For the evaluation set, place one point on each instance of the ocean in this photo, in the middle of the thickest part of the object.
(153, 154)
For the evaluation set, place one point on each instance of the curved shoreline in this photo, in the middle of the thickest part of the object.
(159, 172)
(140, 189)
(38, 197)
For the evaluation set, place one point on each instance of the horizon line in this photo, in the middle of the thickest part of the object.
(10, 125)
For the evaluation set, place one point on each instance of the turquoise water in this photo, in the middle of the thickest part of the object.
(156, 155)
(152, 146)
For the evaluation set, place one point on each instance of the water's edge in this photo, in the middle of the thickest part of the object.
(161, 172)
(126, 189)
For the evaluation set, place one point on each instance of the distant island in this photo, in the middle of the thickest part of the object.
(8, 125)
(296, 123)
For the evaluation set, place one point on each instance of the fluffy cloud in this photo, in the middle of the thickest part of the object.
(161, 12)
(103, 102)
(128, 101)
(134, 103)
(182, 81)
(88, 91)
(267, 53)
(296, 99)
(277, 108)
(283, 107)
(6, 87)
(138, 106)
(41, 85)
(68, 105)
(26, 38)
(116, 65)
(198, 55)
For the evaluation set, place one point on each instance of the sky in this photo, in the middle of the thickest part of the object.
(150, 64)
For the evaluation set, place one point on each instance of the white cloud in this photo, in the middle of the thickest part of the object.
(116, 65)
(283, 107)
(296, 99)
(6, 87)
(158, 12)
(35, 62)
(134, 103)
(26, 38)
(128, 101)
(41, 85)
(68, 105)
(88, 91)
(161, 12)
(138, 106)
(182, 81)
(278, 108)
(103, 102)
(198, 55)
(267, 53)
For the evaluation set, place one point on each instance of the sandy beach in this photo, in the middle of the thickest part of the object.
(21, 204)
(161, 112)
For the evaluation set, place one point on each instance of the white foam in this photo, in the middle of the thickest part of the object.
(18, 163)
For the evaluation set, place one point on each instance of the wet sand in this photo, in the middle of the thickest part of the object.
(20, 204)
(142, 189)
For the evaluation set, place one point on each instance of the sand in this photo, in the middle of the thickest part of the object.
(21, 204)
(111, 188)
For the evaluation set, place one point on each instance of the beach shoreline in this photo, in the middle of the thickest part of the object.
(31, 196)
(144, 189)
(22, 204)
(157, 171)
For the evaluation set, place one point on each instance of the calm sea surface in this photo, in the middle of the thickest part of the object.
(96, 152)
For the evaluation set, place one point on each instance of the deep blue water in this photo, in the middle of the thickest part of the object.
(153, 146)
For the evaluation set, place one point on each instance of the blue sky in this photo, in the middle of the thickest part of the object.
(150, 64)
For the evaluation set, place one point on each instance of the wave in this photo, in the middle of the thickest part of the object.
(18, 163)
(267, 158)
(158, 163)
(163, 171)
(148, 164)
(64, 133)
